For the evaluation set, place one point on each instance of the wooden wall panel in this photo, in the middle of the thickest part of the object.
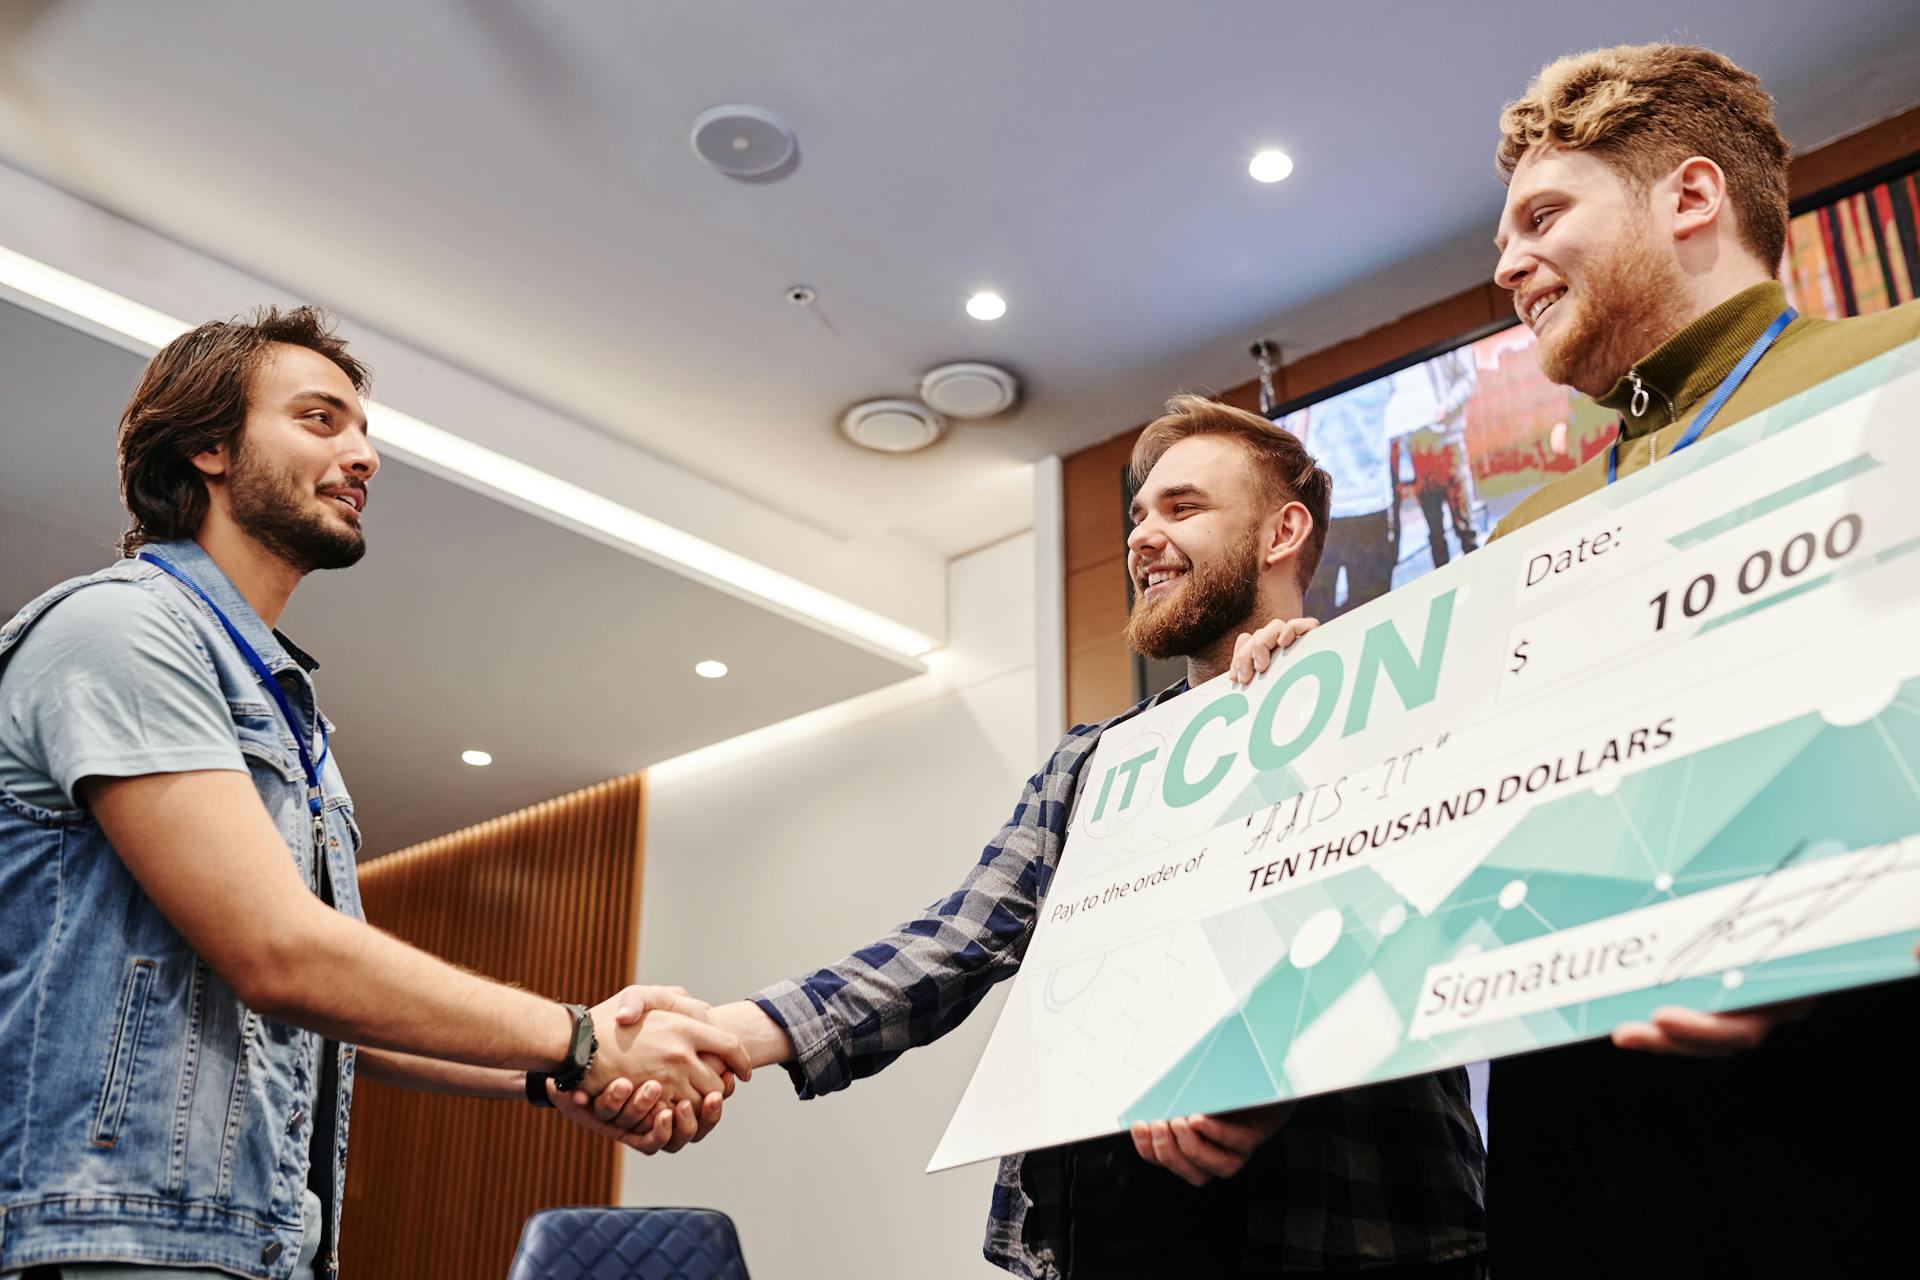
(547, 899)
(1845, 159)
(1089, 480)
(1099, 673)
(1100, 681)
(1097, 601)
(1096, 586)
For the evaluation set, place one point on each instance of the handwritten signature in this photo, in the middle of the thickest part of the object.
(1769, 919)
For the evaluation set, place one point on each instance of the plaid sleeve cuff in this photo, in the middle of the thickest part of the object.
(820, 1064)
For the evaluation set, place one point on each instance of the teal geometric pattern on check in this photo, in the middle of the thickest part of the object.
(1688, 826)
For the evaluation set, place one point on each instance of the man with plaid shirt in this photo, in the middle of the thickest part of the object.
(1228, 527)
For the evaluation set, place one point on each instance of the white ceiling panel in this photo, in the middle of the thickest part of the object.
(508, 184)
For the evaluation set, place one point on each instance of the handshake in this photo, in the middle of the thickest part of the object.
(660, 1074)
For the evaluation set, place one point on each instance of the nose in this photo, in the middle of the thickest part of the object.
(1140, 536)
(1145, 544)
(360, 458)
(1514, 267)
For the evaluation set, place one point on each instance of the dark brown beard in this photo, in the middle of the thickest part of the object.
(1629, 303)
(270, 507)
(1210, 601)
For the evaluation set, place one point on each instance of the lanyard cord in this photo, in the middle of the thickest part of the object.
(309, 765)
(1717, 401)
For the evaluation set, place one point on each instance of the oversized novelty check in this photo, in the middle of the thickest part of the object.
(1660, 747)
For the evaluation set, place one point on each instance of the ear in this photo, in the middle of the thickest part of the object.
(1287, 531)
(213, 463)
(1698, 194)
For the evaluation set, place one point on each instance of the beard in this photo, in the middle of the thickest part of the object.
(1210, 601)
(1630, 302)
(272, 507)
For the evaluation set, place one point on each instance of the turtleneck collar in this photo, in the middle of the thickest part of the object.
(1685, 369)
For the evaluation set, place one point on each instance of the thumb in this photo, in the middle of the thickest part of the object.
(635, 1001)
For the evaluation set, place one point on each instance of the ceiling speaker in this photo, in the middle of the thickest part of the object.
(969, 390)
(892, 426)
(742, 141)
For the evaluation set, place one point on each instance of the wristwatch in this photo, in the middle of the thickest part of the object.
(581, 1047)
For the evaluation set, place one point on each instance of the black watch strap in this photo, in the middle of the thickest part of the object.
(537, 1089)
(580, 1050)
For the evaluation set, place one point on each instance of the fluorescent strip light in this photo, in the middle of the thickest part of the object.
(521, 485)
(507, 479)
(89, 302)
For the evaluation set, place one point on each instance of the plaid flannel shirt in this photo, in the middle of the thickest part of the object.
(1391, 1172)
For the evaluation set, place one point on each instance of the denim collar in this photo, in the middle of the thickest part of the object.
(276, 650)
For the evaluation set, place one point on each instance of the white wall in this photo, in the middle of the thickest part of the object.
(773, 855)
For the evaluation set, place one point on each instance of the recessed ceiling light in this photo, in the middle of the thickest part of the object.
(986, 306)
(478, 759)
(711, 669)
(1270, 166)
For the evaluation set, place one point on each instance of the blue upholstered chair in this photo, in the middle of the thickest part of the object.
(592, 1243)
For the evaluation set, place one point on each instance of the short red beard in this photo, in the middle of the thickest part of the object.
(1208, 603)
(1629, 301)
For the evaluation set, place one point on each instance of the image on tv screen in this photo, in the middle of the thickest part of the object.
(1427, 459)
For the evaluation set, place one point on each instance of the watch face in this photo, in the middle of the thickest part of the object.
(580, 1050)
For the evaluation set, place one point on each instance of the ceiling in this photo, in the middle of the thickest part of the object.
(468, 625)
(507, 185)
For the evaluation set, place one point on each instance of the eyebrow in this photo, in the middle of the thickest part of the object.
(1171, 491)
(334, 401)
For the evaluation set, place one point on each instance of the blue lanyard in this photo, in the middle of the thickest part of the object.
(1721, 394)
(307, 763)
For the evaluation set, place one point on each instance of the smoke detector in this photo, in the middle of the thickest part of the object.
(742, 141)
(969, 390)
(892, 426)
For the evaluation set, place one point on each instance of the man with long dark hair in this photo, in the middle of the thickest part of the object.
(189, 984)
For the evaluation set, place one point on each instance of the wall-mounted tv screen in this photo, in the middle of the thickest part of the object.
(1429, 452)
(1428, 457)
(1425, 459)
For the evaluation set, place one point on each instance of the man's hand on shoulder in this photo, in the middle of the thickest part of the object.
(1198, 1149)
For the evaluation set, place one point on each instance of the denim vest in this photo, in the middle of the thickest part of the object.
(146, 1114)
